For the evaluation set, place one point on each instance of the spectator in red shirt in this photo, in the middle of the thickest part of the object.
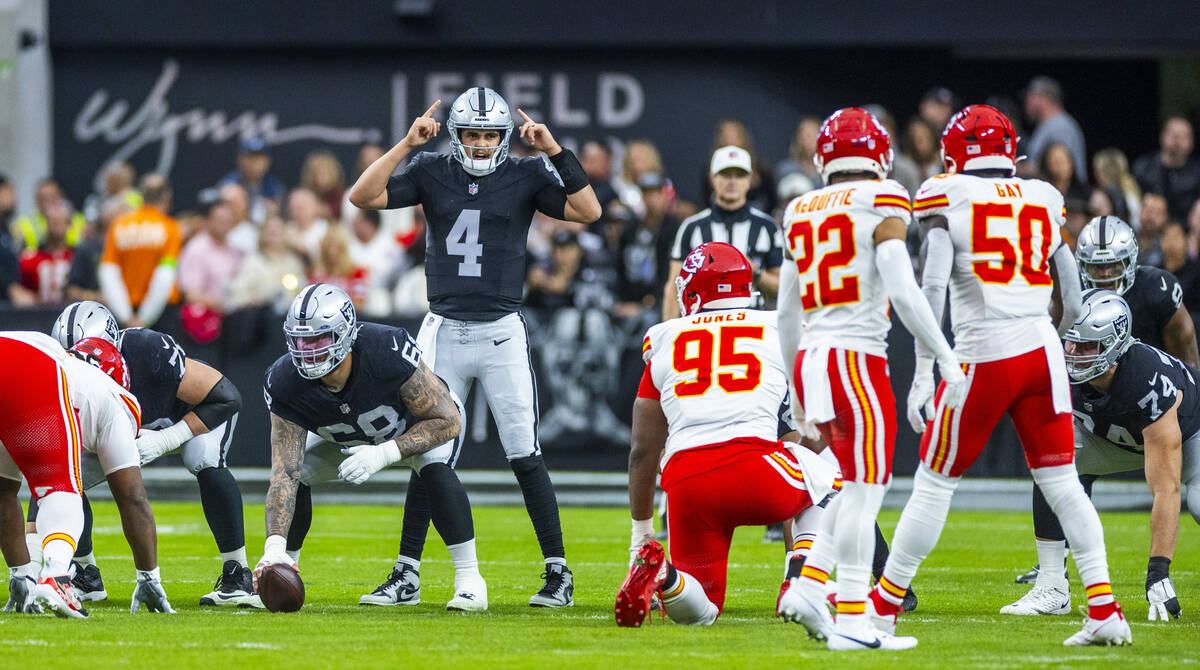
(44, 268)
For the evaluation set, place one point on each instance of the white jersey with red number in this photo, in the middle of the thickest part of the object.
(830, 234)
(1004, 232)
(109, 415)
(718, 376)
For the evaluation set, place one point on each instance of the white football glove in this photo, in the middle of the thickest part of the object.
(956, 382)
(149, 592)
(920, 396)
(367, 459)
(274, 553)
(1163, 601)
(20, 595)
(643, 532)
(154, 443)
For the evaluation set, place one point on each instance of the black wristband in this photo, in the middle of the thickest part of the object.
(1158, 569)
(570, 171)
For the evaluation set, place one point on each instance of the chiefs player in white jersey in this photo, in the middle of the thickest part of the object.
(707, 412)
(995, 240)
(849, 259)
(56, 404)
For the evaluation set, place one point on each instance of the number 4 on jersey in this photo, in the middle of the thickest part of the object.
(463, 240)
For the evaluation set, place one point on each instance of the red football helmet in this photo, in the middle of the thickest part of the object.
(104, 355)
(714, 276)
(979, 137)
(853, 140)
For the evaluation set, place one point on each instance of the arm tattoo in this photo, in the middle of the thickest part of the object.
(287, 456)
(438, 421)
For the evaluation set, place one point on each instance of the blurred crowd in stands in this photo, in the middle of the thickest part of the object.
(259, 235)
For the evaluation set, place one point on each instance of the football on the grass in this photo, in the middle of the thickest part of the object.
(280, 588)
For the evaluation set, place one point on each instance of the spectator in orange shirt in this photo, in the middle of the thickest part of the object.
(138, 267)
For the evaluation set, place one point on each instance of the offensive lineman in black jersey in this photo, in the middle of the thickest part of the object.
(1107, 252)
(362, 390)
(478, 208)
(1135, 407)
(185, 403)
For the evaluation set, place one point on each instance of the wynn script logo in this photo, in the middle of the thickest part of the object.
(154, 123)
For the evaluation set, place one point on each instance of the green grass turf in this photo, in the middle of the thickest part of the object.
(351, 548)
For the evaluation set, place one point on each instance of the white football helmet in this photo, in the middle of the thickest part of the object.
(1099, 337)
(320, 327)
(479, 108)
(83, 319)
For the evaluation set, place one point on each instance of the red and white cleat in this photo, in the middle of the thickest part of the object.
(55, 593)
(645, 578)
(1111, 632)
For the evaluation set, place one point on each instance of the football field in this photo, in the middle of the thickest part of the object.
(351, 549)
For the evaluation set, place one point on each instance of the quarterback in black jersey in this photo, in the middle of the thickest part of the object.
(188, 405)
(348, 400)
(479, 204)
(1136, 407)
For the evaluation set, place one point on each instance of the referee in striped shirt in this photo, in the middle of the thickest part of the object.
(732, 220)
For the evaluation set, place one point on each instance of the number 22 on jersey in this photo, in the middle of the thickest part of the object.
(803, 239)
(702, 351)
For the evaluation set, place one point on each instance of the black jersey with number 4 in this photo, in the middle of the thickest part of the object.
(1146, 384)
(369, 409)
(1153, 300)
(156, 364)
(476, 229)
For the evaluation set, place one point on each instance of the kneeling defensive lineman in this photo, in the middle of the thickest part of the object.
(1136, 407)
(707, 410)
(56, 406)
(479, 204)
(846, 241)
(362, 390)
(185, 403)
(992, 238)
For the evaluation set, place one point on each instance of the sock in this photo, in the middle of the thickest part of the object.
(1052, 559)
(671, 585)
(881, 553)
(556, 560)
(34, 544)
(854, 543)
(301, 520)
(452, 514)
(686, 602)
(84, 545)
(238, 555)
(793, 564)
(403, 560)
(60, 520)
(30, 569)
(294, 554)
(222, 502)
(819, 561)
(417, 515)
(540, 502)
(85, 559)
(916, 534)
(1045, 524)
(1082, 526)
(466, 565)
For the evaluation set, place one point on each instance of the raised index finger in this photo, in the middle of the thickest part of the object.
(429, 112)
(524, 115)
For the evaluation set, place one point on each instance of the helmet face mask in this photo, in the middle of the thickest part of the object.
(483, 109)
(320, 327)
(1099, 337)
(1107, 252)
(84, 319)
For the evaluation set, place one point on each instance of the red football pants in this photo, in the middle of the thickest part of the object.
(1020, 386)
(712, 490)
(862, 433)
(39, 429)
